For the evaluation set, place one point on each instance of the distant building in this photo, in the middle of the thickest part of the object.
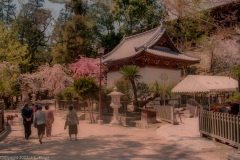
(155, 54)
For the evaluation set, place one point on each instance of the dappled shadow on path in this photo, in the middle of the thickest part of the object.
(6, 133)
(97, 147)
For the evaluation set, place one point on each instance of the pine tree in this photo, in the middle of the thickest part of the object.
(7, 11)
(138, 15)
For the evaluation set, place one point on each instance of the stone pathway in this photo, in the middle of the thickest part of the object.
(103, 142)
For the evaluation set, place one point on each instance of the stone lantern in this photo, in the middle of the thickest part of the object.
(115, 104)
(25, 89)
(34, 98)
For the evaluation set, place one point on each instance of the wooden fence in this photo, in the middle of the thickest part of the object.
(165, 113)
(78, 105)
(221, 126)
(1, 120)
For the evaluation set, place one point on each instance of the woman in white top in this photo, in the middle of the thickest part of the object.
(39, 122)
(72, 122)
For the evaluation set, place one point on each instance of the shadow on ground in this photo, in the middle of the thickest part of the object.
(6, 132)
(98, 147)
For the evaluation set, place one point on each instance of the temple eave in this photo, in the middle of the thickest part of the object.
(147, 60)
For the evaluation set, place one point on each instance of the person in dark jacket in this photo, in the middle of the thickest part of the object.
(27, 114)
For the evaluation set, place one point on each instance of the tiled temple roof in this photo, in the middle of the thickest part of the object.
(136, 44)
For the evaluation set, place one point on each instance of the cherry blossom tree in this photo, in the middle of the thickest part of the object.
(54, 79)
(84, 71)
(86, 67)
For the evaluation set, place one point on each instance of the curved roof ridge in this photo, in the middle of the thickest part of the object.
(141, 34)
(130, 56)
(160, 30)
(112, 51)
(129, 38)
(190, 55)
(170, 54)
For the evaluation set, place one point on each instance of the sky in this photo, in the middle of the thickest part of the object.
(54, 7)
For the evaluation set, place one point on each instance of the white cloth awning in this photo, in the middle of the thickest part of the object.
(198, 83)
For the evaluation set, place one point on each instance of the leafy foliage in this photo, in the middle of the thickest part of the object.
(7, 12)
(131, 73)
(59, 96)
(161, 89)
(32, 24)
(143, 90)
(8, 77)
(235, 98)
(86, 87)
(189, 25)
(124, 86)
(111, 40)
(155, 88)
(8, 82)
(236, 73)
(68, 93)
(73, 35)
(11, 49)
(137, 15)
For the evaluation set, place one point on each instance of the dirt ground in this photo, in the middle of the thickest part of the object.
(105, 142)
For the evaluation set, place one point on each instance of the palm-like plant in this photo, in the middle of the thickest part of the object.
(131, 73)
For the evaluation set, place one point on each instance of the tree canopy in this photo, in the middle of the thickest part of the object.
(11, 50)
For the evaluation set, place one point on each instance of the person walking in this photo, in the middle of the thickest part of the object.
(39, 122)
(49, 120)
(72, 121)
(27, 114)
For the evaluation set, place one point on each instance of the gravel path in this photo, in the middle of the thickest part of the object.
(104, 142)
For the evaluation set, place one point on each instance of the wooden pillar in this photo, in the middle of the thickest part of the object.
(125, 108)
(180, 101)
(209, 101)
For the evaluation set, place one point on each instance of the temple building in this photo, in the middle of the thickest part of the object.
(155, 54)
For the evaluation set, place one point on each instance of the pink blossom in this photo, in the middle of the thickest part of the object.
(86, 67)
(55, 79)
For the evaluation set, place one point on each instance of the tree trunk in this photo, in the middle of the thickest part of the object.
(92, 111)
(89, 110)
(135, 95)
(211, 61)
(146, 101)
(7, 103)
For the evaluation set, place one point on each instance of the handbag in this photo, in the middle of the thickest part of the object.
(68, 123)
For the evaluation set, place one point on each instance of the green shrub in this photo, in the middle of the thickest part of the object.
(59, 96)
(124, 86)
(68, 94)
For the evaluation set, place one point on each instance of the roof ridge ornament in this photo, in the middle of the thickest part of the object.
(159, 32)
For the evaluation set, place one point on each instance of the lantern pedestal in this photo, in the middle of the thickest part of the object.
(115, 104)
(115, 120)
(100, 121)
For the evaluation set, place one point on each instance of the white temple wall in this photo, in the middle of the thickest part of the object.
(149, 75)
